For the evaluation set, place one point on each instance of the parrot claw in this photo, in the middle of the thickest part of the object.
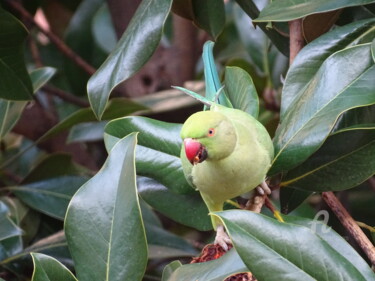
(263, 189)
(222, 238)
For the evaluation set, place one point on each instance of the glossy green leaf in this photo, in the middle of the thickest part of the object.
(15, 81)
(133, 50)
(344, 161)
(215, 270)
(7, 227)
(287, 10)
(210, 16)
(103, 30)
(103, 224)
(158, 151)
(50, 196)
(337, 242)
(41, 76)
(309, 60)
(87, 132)
(296, 252)
(187, 209)
(344, 81)
(47, 268)
(241, 91)
(117, 107)
(251, 9)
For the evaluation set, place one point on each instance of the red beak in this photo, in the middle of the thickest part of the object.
(195, 151)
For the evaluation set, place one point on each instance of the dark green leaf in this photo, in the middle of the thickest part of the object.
(344, 161)
(287, 10)
(52, 166)
(103, 224)
(291, 198)
(186, 209)
(158, 152)
(169, 269)
(311, 57)
(241, 91)
(47, 268)
(355, 117)
(344, 81)
(210, 16)
(103, 30)
(133, 50)
(7, 227)
(295, 251)
(15, 81)
(162, 243)
(117, 107)
(280, 41)
(215, 270)
(54, 245)
(78, 37)
(41, 76)
(10, 112)
(50, 196)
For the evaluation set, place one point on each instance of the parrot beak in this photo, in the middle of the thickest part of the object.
(195, 151)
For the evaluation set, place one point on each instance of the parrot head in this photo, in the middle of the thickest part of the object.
(208, 135)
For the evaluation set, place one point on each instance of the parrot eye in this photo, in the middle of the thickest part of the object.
(211, 132)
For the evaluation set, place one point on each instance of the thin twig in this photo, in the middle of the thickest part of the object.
(65, 96)
(295, 39)
(350, 225)
(68, 52)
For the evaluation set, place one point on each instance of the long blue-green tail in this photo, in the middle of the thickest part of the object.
(213, 85)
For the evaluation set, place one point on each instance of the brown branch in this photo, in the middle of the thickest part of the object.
(68, 52)
(350, 225)
(65, 96)
(295, 39)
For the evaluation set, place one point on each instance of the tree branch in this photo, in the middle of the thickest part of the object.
(65, 96)
(295, 39)
(68, 52)
(350, 225)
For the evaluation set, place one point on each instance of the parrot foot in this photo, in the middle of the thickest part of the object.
(263, 188)
(222, 238)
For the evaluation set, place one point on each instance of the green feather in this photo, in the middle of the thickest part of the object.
(212, 80)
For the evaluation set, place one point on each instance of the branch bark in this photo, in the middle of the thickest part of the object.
(295, 38)
(65, 50)
(350, 225)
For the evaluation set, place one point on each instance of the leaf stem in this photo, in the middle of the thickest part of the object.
(67, 51)
(350, 225)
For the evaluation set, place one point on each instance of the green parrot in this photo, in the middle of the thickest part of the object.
(226, 152)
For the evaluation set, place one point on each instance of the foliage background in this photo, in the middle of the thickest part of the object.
(60, 62)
